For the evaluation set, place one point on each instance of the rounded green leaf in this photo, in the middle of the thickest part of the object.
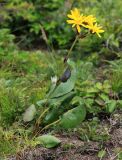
(101, 154)
(111, 105)
(29, 113)
(48, 141)
(99, 85)
(73, 117)
(52, 115)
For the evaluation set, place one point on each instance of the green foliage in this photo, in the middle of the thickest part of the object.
(96, 96)
(33, 18)
(6, 39)
(29, 114)
(25, 75)
(22, 82)
(25, 63)
(92, 130)
(111, 42)
(120, 156)
(115, 75)
(101, 154)
(12, 141)
(48, 141)
(65, 88)
(73, 117)
(58, 107)
(11, 103)
(87, 96)
(8, 147)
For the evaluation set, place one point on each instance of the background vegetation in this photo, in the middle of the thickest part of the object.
(34, 38)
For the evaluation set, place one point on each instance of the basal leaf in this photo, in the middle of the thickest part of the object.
(29, 114)
(59, 100)
(65, 88)
(73, 117)
(48, 141)
(52, 115)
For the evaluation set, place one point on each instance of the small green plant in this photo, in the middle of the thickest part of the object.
(97, 97)
(73, 86)
(6, 39)
(63, 89)
(93, 131)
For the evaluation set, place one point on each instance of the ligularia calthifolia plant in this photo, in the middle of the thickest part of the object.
(64, 85)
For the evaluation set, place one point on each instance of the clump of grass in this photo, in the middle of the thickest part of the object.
(24, 79)
(11, 103)
(15, 140)
(93, 130)
(115, 75)
(8, 147)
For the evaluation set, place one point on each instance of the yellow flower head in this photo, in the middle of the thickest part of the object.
(89, 20)
(76, 19)
(94, 28)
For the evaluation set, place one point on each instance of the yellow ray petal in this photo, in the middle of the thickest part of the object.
(99, 35)
(70, 16)
(70, 21)
(73, 25)
(76, 12)
(101, 31)
(78, 28)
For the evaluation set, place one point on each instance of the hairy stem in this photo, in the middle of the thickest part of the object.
(73, 44)
(51, 124)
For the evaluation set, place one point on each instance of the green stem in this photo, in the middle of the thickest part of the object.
(47, 126)
(73, 44)
(41, 116)
(36, 126)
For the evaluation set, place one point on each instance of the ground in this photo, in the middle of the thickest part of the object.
(72, 148)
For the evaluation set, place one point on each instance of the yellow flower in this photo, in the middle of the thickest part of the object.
(94, 28)
(89, 20)
(76, 19)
